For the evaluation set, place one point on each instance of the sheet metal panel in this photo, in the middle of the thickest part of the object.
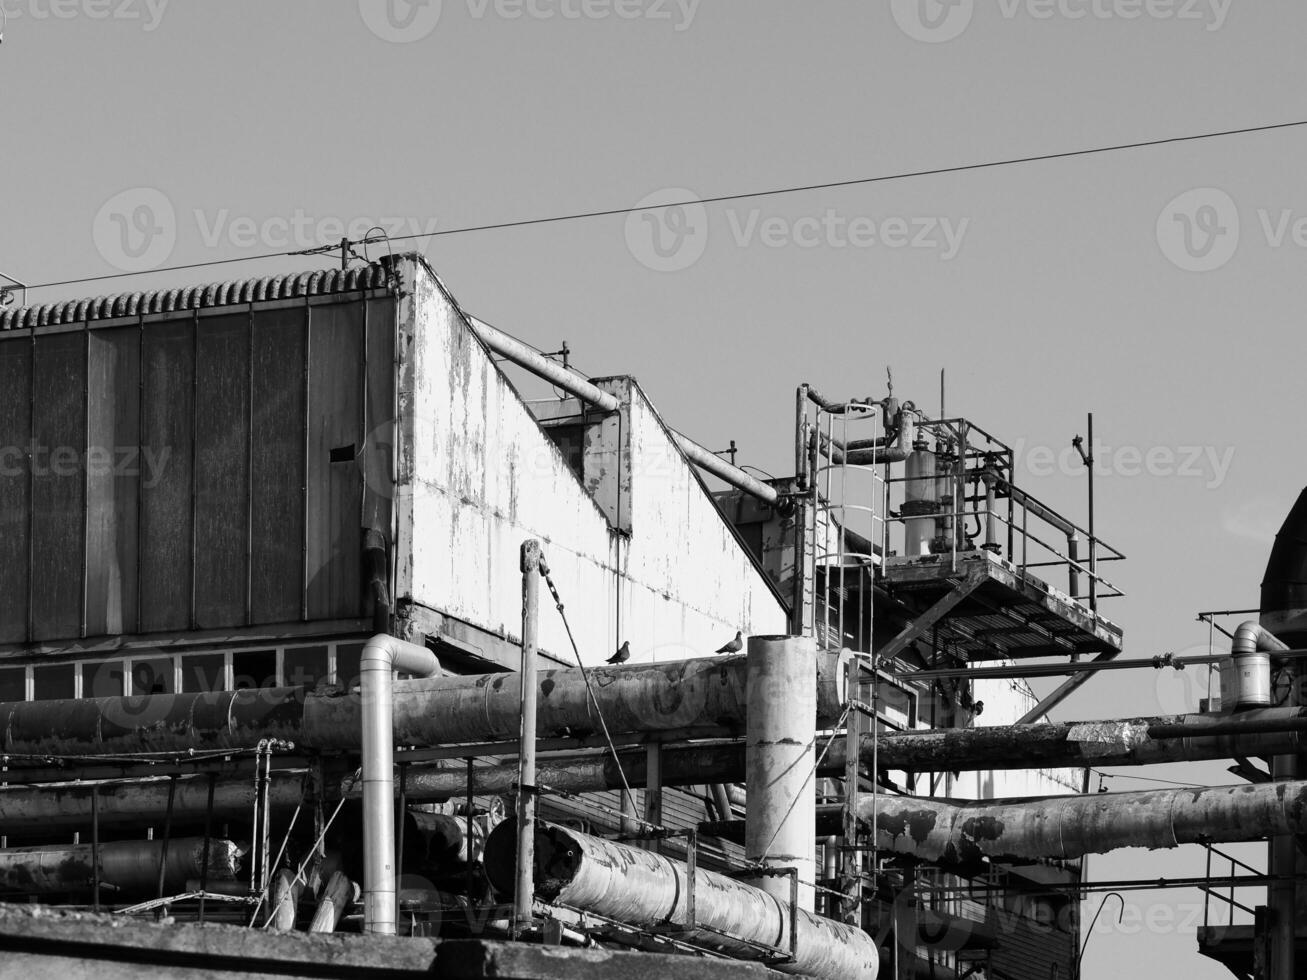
(115, 469)
(58, 485)
(167, 516)
(277, 459)
(335, 501)
(15, 430)
(222, 471)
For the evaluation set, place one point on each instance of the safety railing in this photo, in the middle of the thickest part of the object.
(1222, 888)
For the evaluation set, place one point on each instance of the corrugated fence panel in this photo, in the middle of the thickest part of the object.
(115, 469)
(279, 398)
(58, 485)
(166, 506)
(15, 428)
(222, 470)
(334, 484)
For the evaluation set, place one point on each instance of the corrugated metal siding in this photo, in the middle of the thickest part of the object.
(191, 472)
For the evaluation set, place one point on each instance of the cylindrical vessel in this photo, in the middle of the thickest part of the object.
(780, 824)
(646, 889)
(1252, 677)
(129, 866)
(919, 498)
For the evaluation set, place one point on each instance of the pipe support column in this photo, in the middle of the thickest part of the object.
(779, 758)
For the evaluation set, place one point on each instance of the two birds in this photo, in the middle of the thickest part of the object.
(623, 653)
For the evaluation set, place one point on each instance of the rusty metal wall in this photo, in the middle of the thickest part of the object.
(196, 470)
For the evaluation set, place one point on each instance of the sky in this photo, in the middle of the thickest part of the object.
(1158, 288)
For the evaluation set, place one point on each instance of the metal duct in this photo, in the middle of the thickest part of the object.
(382, 656)
(1066, 827)
(705, 694)
(1284, 586)
(129, 866)
(645, 889)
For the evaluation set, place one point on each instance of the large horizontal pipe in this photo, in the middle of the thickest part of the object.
(571, 382)
(130, 866)
(1066, 827)
(50, 808)
(706, 694)
(645, 889)
(1127, 742)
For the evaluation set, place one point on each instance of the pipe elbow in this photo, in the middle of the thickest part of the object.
(1252, 636)
(385, 652)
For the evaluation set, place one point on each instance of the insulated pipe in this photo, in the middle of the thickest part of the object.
(647, 890)
(718, 467)
(1250, 650)
(1122, 742)
(706, 694)
(337, 896)
(532, 566)
(1068, 827)
(130, 866)
(382, 656)
(780, 754)
(571, 382)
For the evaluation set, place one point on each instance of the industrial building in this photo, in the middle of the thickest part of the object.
(275, 552)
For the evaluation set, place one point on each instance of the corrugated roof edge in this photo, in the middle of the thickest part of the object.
(319, 282)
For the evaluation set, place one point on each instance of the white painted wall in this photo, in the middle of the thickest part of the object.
(479, 476)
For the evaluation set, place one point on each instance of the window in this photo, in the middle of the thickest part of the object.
(253, 668)
(54, 682)
(203, 673)
(348, 657)
(103, 679)
(304, 666)
(13, 684)
(153, 676)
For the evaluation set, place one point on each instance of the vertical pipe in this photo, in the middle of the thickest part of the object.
(382, 656)
(1281, 895)
(524, 891)
(399, 829)
(780, 821)
(470, 880)
(1093, 541)
(653, 793)
(95, 847)
(850, 860)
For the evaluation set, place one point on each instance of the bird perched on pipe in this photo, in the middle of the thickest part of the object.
(735, 646)
(622, 655)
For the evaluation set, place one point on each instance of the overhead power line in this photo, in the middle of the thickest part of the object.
(720, 198)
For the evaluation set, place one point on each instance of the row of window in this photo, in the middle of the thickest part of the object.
(192, 672)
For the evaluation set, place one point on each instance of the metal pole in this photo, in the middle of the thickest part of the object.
(1093, 541)
(470, 765)
(851, 859)
(653, 794)
(95, 848)
(524, 891)
(167, 833)
(208, 831)
(399, 830)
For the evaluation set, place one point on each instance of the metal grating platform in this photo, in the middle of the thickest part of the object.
(997, 611)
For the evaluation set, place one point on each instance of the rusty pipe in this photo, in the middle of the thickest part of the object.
(1068, 827)
(382, 656)
(646, 889)
(130, 866)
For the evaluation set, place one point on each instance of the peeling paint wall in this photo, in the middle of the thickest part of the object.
(478, 476)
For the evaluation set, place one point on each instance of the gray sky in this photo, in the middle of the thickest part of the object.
(1045, 289)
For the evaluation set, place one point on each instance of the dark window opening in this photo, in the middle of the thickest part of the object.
(202, 674)
(54, 683)
(253, 668)
(13, 684)
(103, 679)
(304, 666)
(154, 676)
(348, 657)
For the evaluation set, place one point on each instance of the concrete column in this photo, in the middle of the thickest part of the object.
(779, 757)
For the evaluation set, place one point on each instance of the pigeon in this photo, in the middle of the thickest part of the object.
(735, 646)
(622, 655)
